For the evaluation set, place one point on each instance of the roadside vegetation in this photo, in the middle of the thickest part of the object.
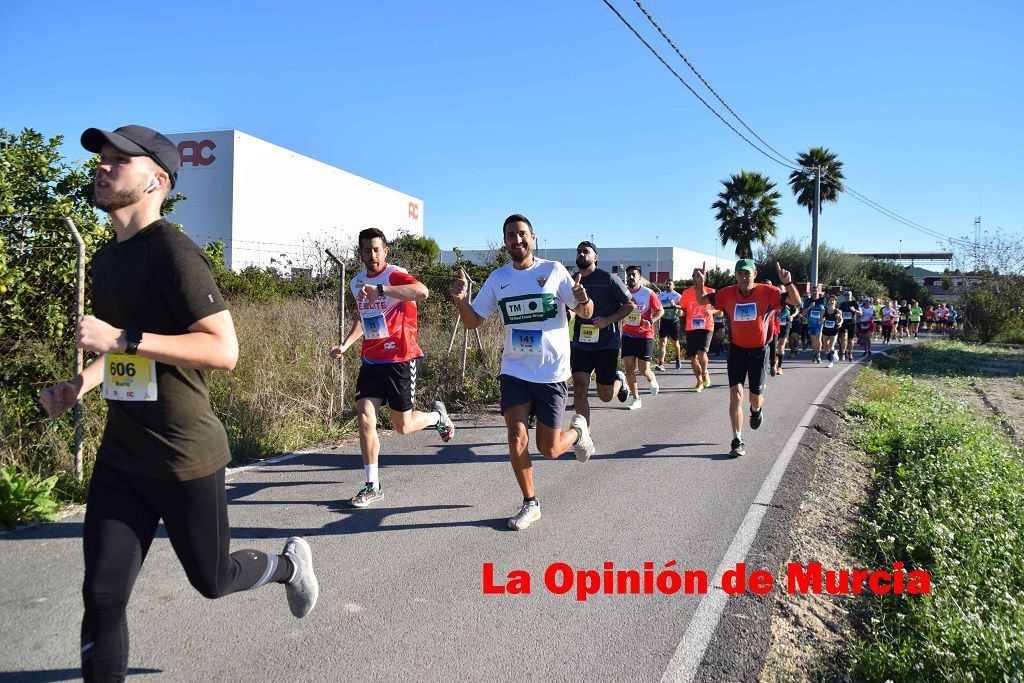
(947, 496)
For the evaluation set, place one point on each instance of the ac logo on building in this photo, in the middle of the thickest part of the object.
(193, 152)
(414, 211)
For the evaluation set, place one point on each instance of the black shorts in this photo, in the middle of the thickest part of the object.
(637, 347)
(783, 331)
(393, 383)
(697, 341)
(748, 363)
(547, 400)
(830, 331)
(669, 329)
(847, 329)
(902, 323)
(604, 362)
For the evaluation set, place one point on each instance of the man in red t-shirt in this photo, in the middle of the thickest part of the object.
(749, 306)
(638, 336)
(386, 297)
(700, 325)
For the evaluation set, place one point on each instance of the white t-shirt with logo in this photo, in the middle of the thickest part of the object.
(533, 305)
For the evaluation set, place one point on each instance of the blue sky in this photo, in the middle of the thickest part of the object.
(555, 110)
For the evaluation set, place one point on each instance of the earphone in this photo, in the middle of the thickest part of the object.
(156, 184)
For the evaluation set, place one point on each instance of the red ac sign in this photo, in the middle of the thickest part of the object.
(192, 152)
(414, 211)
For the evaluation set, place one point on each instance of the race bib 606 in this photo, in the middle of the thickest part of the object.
(129, 378)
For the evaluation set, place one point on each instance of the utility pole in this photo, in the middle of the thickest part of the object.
(814, 228)
(657, 260)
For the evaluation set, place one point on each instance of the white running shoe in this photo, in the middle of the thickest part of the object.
(584, 445)
(527, 515)
(652, 386)
(830, 364)
(303, 589)
(634, 403)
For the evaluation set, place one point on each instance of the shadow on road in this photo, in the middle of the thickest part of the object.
(57, 675)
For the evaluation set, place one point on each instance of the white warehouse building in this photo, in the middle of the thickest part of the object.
(271, 206)
(658, 264)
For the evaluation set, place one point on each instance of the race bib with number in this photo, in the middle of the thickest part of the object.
(528, 308)
(374, 326)
(847, 315)
(744, 313)
(633, 319)
(697, 323)
(829, 324)
(129, 378)
(816, 314)
(526, 341)
(589, 334)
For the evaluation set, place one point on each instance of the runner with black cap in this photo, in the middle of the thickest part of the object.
(595, 341)
(159, 322)
(749, 305)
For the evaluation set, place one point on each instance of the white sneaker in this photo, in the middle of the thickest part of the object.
(584, 445)
(527, 515)
(652, 386)
(634, 403)
(830, 364)
(303, 588)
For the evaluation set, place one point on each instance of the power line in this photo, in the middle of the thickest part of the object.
(694, 92)
(708, 85)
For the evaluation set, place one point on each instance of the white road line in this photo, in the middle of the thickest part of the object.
(688, 655)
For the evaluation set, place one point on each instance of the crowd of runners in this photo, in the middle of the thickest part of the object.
(159, 322)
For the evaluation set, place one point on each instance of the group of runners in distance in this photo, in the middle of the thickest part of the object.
(159, 314)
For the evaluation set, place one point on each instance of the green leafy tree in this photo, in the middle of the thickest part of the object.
(746, 211)
(801, 181)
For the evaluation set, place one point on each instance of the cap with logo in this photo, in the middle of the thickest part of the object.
(136, 141)
(746, 264)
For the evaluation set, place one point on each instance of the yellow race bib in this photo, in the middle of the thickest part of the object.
(589, 334)
(129, 378)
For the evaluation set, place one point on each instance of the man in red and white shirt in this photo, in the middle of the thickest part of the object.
(700, 325)
(750, 307)
(638, 335)
(386, 297)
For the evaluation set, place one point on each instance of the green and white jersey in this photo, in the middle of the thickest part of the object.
(533, 304)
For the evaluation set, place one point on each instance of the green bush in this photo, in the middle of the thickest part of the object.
(25, 498)
(948, 495)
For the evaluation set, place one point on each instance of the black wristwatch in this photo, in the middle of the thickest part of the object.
(380, 289)
(134, 337)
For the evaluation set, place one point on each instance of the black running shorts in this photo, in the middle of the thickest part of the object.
(744, 364)
(668, 329)
(393, 383)
(697, 341)
(604, 362)
(637, 347)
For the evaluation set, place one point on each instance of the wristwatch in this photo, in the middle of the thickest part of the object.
(380, 289)
(134, 337)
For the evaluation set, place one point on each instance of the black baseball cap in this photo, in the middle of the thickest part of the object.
(587, 243)
(137, 141)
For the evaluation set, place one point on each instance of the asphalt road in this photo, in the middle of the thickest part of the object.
(402, 582)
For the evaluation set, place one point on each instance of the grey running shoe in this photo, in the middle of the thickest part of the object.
(634, 403)
(584, 445)
(756, 418)
(303, 588)
(623, 390)
(737, 450)
(444, 427)
(659, 367)
(527, 515)
(366, 496)
(653, 386)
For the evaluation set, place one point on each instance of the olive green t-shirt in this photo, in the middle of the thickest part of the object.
(160, 282)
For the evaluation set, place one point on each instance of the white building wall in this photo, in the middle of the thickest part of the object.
(270, 204)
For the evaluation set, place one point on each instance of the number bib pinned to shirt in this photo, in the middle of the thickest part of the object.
(589, 334)
(744, 313)
(526, 341)
(634, 319)
(375, 326)
(129, 378)
(697, 323)
(829, 324)
(847, 315)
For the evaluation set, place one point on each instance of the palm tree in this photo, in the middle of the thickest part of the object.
(802, 181)
(746, 211)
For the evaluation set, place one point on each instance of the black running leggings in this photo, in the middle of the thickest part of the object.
(121, 518)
